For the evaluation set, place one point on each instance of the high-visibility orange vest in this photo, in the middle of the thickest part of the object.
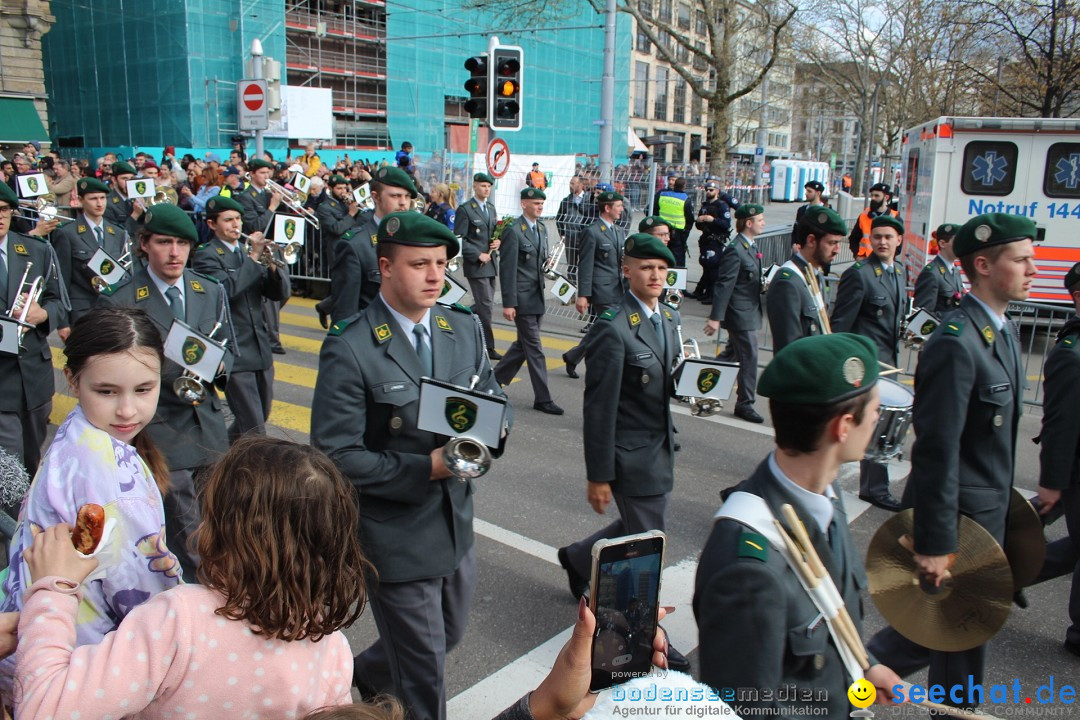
(864, 225)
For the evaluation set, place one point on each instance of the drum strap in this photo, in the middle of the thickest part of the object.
(753, 512)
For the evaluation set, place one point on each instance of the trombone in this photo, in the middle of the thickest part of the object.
(188, 387)
(44, 210)
(291, 198)
(290, 253)
(21, 307)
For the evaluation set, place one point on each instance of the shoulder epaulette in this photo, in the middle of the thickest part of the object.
(786, 273)
(953, 327)
(1069, 341)
(200, 247)
(211, 278)
(753, 545)
(339, 327)
(461, 308)
(858, 264)
(610, 313)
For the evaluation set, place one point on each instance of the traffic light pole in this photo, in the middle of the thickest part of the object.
(257, 74)
(607, 95)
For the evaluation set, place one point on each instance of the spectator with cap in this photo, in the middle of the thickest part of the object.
(536, 178)
(714, 222)
(234, 182)
(939, 288)
(859, 239)
(32, 149)
(815, 197)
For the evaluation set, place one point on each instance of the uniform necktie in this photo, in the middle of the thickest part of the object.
(3, 277)
(483, 208)
(175, 303)
(423, 349)
(100, 236)
(658, 325)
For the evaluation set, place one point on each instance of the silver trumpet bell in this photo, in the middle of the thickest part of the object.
(189, 389)
(705, 407)
(672, 298)
(466, 458)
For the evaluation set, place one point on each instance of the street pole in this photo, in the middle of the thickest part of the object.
(257, 74)
(607, 96)
(870, 140)
(762, 137)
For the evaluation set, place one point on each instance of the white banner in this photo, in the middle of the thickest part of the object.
(106, 267)
(563, 290)
(675, 279)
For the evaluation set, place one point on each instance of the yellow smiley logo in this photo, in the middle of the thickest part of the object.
(862, 693)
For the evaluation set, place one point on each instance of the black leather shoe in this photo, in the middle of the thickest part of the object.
(548, 407)
(1020, 599)
(367, 691)
(678, 446)
(571, 368)
(494, 355)
(1072, 647)
(277, 350)
(749, 414)
(885, 502)
(676, 660)
(324, 318)
(578, 584)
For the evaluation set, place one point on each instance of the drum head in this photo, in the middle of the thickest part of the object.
(894, 395)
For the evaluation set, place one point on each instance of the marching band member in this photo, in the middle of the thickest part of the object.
(939, 288)
(191, 437)
(337, 215)
(119, 208)
(416, 520)
(475, 223)
(247, 282)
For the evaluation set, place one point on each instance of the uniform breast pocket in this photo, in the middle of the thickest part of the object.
(877, 304)
(645, 367)
(390, 399)
(999, 398)
(374, 276)
(526, 250)
(81, 254)
(808, 643)
(603, 250)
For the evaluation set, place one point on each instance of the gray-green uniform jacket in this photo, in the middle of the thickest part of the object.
(118, 212)
(355, 277)
(627, 425)
(938, 288)
(364, 416)
(793, 314)
(475, 230)
(737, 298)
(758, 628)
(335, 220)
(26, 379)
(1059, 450)
(872, 303)
(190, 436)
(257, 214)
(246, 282)
(966, 415)
(600, 264)
(521, 259)
(75, 243)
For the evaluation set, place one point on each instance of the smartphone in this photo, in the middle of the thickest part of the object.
(625, 599)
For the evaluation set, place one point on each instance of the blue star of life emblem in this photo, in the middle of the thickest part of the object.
(1068, 171)
(989, 168)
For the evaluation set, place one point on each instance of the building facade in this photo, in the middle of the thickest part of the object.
(23, 110)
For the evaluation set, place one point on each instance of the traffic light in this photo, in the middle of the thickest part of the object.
(477, 85)
(504, 110)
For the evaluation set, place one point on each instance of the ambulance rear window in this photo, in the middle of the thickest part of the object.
(989, 168)
(1061, 177)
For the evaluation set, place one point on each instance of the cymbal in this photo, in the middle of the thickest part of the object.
(968, 608)
(1025, 544)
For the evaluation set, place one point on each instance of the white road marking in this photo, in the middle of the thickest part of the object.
(725, 420)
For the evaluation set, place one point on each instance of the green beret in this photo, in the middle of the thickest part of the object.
(821, 221)
(649, 247)
(483, 177)
(1073, 276)
(533, 194)
(983, 231)
(747, 210)
(336, 179)
(395, 177)
(8, 195)
(653, 221)
(218, 204)
(412, 228)
(948, 230)
(888, 220)
(608, 196)
(821, 370)
(166, 219)
(89, 185)
(122, 168)
(259, 164)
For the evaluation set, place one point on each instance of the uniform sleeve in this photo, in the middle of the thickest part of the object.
(61, 240)
(727, 274)
(508, 262)
(1060, 444)
(604, 366)
(926, 290)
(330, 223)
(586, 263)
(783, 306)
(115, 677)
(849, 298)
(345, 280)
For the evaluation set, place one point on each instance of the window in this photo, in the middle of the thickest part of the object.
(643, 44)
(912, 173)
(641, 89)
(1061, 177)
(696, 105)
(700, 63)
(645, 7)
(665, 11)
(684, 16)
(660, 108)
(682, 53)
(699, 23)
(989, 168)
(680, 101)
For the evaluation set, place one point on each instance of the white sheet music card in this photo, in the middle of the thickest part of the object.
(33, 185)
(193, 351)
(563, 290)
(454, 411)
(289, 229)
(675, 279)
(452, 291)
(706, 379)
(9, 335)
(141, 188)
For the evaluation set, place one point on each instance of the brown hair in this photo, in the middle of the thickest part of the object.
(798, 428)
(107, 330)
(279, 540)
(991, 253)
(383, 707)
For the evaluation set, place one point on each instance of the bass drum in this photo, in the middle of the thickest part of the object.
(893, 423)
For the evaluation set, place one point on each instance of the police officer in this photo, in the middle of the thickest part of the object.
(26, 378)
(521, 278)
(968, 401)
(337, 215)
(675, 206)
(247, 282)
(76, 242)
(475, 223)
(737, 303)
(872, 301)
(815, 197)
(859, 239)
(600, 284)
(823, 399)
(1059, 455)
(190, 436)
(119, 208)
(714, 222)
(795, 302)
(354, 275)
(939, 288)
(416, 519)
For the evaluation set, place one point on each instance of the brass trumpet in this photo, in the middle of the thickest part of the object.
(21, 307)
(291, 198)
(44, 210)
(164, 195)
(552, 262)
(98, 283)
(188, 387)
(290, 253)
(466, 458)
(672, 298)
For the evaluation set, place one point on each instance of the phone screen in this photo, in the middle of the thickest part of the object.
(626, 588)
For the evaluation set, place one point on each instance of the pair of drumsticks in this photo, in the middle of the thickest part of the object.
(809, 565)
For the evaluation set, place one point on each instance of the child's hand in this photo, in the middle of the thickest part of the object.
(53, 554)
(9, 625)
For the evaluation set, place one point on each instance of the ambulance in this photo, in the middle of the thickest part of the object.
(954, 168)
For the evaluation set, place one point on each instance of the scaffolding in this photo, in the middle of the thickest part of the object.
(341, 45)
